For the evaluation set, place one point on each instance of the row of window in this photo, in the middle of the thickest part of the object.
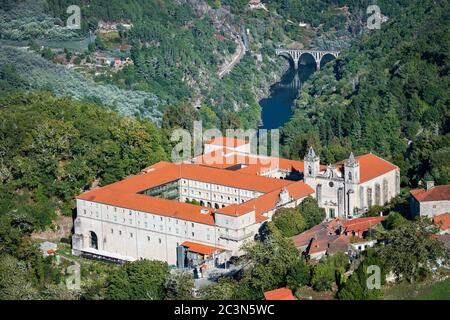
(226, 189)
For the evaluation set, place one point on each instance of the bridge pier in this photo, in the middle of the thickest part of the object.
(295, 55)
(317, 64)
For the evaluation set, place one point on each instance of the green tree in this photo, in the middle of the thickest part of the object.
(329, 271)
(138, 280)
(356, 288)
(410, 251)
(289, 221)
(270, 263)
(179, 286)
(299, 274)
(311, 211)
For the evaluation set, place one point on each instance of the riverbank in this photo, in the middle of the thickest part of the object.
(276, 107)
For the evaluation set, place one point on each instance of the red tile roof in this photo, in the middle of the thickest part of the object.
(268, 201)
(201, 248)
(144, 203)
(279, 294)
(251, 163)
(126, 193)
(325, 236)
(370, 166)
(437, 193)
(361, 224)
(442, 221)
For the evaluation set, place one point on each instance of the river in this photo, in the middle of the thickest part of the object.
(277, 108)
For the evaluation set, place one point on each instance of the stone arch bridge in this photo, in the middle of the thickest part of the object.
(295, 55)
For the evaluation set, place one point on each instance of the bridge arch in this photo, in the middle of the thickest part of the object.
(327, 57)
(295, 55)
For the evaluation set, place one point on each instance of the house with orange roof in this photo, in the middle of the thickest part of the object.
(431, 201)
(442, 221)
(337, 235)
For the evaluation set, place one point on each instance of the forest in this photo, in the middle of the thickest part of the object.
(388, 94)
(62, 133)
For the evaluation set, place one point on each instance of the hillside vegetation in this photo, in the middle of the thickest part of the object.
(388, 93)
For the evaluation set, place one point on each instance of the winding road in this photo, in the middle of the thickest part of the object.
(223, 70)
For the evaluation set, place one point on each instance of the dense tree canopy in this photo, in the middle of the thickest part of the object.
(387, 94)
(138, 280)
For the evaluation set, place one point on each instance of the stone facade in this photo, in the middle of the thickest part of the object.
(341, 190)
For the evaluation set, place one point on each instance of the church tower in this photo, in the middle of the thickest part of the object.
(311, 163)
(351, 170)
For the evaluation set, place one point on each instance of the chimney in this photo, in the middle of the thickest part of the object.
(430, 185)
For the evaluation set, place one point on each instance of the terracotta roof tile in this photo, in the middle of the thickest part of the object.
(201, 248)
(437, 193)
(279, 294)
(361, 224)
(442, 221)
(370, 166)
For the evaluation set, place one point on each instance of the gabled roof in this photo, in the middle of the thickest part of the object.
(127, 193)
(370, 166)
(361, 224)
(329, 236)
(437, 193)
(201, 248)
(267, 201)
(442, 221)
(279, 294)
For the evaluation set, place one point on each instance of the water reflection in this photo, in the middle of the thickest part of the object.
(277, 108)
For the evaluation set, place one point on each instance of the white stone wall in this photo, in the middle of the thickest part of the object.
(330, 187)
(130, 233)
(434, 208)
(390, 178)
(214, 195)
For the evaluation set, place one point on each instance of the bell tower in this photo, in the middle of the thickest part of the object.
(351, 170)
(311, 163)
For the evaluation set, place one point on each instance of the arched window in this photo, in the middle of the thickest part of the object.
(369, 197)
(309, 170)
(361, 197)
(385, 191)
(319, 193)
(93, 240)
(377, 194)
(216, 205)
(349, 176)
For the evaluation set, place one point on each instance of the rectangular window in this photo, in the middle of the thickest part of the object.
(131, 235)
(159, 240)
(112, 231)
(148, 238)
(192, 234)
